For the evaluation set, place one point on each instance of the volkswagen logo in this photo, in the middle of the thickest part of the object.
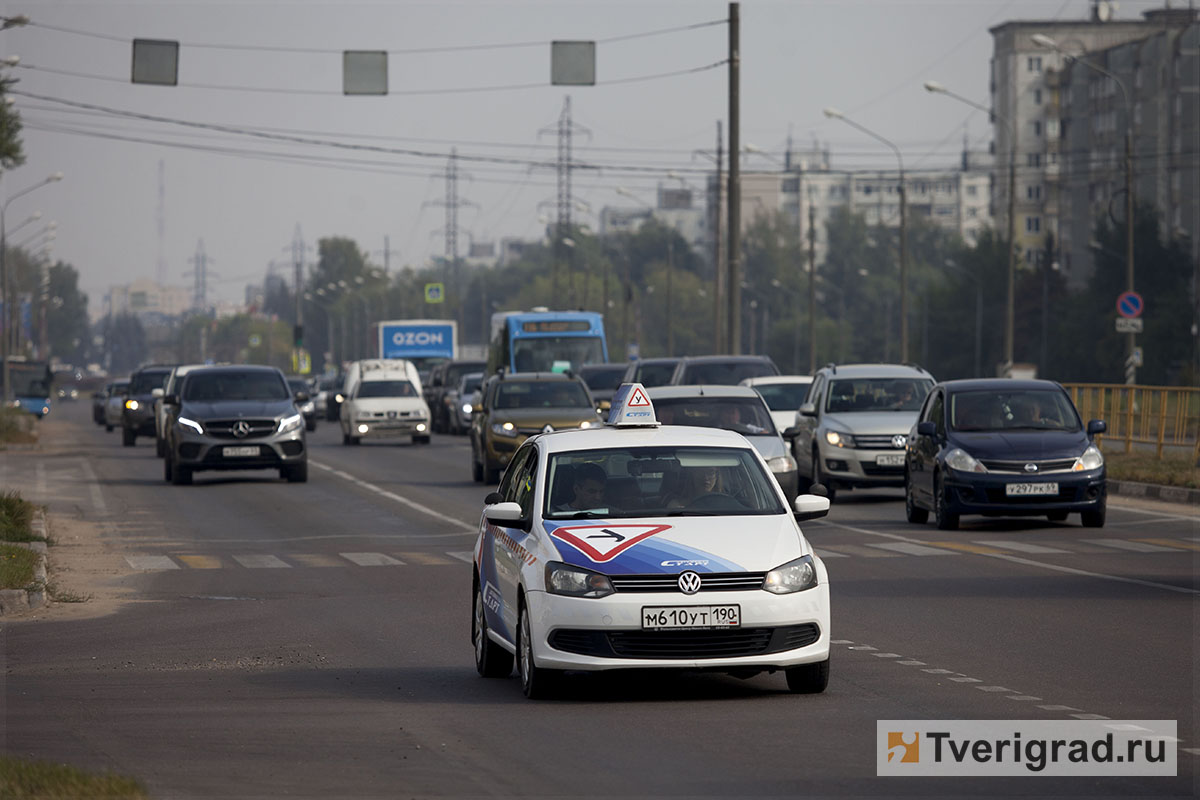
(241, 429)
(547, 429)
(689, 582)
(899, 440)
(1031, 467)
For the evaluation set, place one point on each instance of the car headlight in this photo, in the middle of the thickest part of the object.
(794, 576)
(963, 461)
(338, 398)
(190, 423)
(132, 405)
(466, 408)
(420, 427)
(575, 582)
(291, 423)
(782, 464)
(586, 424)
(1092, 458)
(838, 439)
(505, 429)
(308, 407)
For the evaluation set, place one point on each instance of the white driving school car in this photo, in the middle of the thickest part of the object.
(634, 546)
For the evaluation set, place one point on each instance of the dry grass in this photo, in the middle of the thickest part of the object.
(16, 427)
(1176, 470)
(16, 518)
(17, 566)
(22, 779)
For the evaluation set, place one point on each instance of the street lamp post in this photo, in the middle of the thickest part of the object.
(833, 113)
(621, 190)
(9, 316)
(1010, 312)
(1046, 41)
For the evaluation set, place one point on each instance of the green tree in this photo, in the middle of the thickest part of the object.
(66, 315)
(12, 152)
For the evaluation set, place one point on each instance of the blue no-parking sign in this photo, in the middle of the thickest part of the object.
(1129, 304)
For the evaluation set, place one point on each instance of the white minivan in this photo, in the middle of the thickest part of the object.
(383, 399)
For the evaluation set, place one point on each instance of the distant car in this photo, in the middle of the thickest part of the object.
(300, 385)
(235, 418)
(99, 399)
(518, 405)
(1002, 447)
(602, 381)
(443, 380)
(733, 408)
(324, 388)
(464, 395)
(164, 413)
(633, 546)
(137, 418)
(853, 425)
(784, 395)
(384, 401)
(114, 404)
(650, 372)
(721, 370)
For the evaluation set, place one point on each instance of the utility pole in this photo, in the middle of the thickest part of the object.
(298, 331)
(718, 271)
(452, 203)
(735, 192)
(812, 288)
(199, 275)
(161, 271)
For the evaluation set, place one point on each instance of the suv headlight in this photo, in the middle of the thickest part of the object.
(839, 439)
(504, 429)
(963, 461)
(290, 423)
(575, 582)
(190, 423)
(782, 464)
(794, 576)
(1092, 458)
(132, 404)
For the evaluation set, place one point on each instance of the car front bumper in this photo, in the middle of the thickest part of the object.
(383, 428)
(979, 493)
(574, 633)
(201, 452)
(850, 466)
(141, 421)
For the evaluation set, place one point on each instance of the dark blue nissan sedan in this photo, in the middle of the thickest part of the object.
(1002, 447)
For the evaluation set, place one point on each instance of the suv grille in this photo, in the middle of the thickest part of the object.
(709, 582)
(723, 643)
(876, 441)
(223, 428)
(1053, 465)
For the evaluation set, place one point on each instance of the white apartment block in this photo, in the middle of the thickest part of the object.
(146, 297)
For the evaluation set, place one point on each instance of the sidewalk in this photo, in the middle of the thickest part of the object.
(1150, 491)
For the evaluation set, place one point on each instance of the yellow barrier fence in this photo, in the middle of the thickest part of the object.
(1162, 416)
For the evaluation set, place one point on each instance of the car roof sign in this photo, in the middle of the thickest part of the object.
(631, 408)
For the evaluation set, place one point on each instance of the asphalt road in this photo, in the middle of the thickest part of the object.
(313, 640)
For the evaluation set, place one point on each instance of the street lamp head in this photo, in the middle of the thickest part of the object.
(1041, 40)
(568, 241)
(935, 87)
(57, 176)
(833, 113)
(621, 190)
(752, 148)
(10, 61)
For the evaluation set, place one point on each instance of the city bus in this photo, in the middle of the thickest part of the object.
(546, 341)
(30, 383)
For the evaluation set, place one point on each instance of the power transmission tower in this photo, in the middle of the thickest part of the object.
(565, 129)
(452, 203)
(200, 274)
(160, 275)
(298, 263)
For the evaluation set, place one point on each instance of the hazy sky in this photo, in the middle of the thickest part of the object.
(276, 68)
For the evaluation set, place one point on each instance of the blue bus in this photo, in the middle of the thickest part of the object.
(30, 382)
(546, 341)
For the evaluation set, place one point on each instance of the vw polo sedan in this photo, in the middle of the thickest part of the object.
(635, 546)
(1000, 447)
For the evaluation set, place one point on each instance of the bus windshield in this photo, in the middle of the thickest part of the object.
(556, 353)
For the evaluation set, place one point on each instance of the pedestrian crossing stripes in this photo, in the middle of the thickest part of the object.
(151, 563)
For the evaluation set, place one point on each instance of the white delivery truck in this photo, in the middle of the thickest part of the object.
(383, 399)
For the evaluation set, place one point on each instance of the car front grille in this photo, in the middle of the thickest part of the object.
(1052, 465)
(875, 441)
(691, 644)
(223, 428)
(709, 582)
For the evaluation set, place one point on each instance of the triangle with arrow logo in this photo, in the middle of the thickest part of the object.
(603, 543)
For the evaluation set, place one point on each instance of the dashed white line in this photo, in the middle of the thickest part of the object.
(913, 549)
(1090, 716)
(370, 487)
(993, 689)
(1058, 708)
(371, 559)
(912, 663)
(462, 555)
(1136, 547)
(151, 562)
(887, 655)
(939, 671)
(1023, 697)
(1021, 547)
(261, 562)
(965, 679)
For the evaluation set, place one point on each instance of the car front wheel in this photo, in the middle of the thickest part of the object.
(946, 520)
(537, 683)
(914, 514)
(808, 678)
(1094, 519)
(491, 660)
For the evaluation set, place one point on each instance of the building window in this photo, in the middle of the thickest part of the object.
(1034, 64)
(971, 190)
(1037, 127)
(972, 211)
(791, 185)
(1033, 159)
(1033, 192)
(1037, 96)
(1033, 224)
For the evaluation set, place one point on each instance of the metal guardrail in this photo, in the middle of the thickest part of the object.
(1161, 416)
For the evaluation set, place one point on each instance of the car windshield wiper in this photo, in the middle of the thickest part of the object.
(683, 512)
(582, 515)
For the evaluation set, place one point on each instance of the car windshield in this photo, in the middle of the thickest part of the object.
(603, 378)
(298, 386)
(470, 383)
(877, 394)
(725, 373)
(542, 394)
(782, 396)
(654, 374)
(454, 372)
(556, 353)
(147, 382)
(745, 415)
(1013, 410)
(120, 388)
(207, 387)
(656, 482)
(386, 389)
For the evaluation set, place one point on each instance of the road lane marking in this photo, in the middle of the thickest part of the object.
(424, 559)
(200, 562)
(1023, 697)
(965, 679)
(1058, 708)
(1021, 547)
(855, 550)
(462, 555)
(94, 486)
(887, 655)
(151, 562)
(372, 559)
(823, 553)
(967, 547)
(370, 487)
(913, 549)
(261, 562)
(912, 663)
(1136, 547)
(1172, 543)
(993, 689)
(316, 560)
(1090, 716)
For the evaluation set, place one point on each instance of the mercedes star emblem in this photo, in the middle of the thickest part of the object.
(241, 429)
(689, 582)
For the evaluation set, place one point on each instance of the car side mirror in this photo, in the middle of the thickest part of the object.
(156, 392)
(927, 428)
(819, 490)
(808, 410)
(493, 498)
(791, 433)
(301, 397)
(170, 400)
(1096, 426)
(810, 506)
(507, 515)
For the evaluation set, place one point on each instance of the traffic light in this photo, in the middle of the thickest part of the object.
(298, 335)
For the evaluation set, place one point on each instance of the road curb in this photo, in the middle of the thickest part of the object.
(15, 601)
(1150, 491)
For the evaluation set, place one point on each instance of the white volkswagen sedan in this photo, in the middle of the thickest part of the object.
(638, 546)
